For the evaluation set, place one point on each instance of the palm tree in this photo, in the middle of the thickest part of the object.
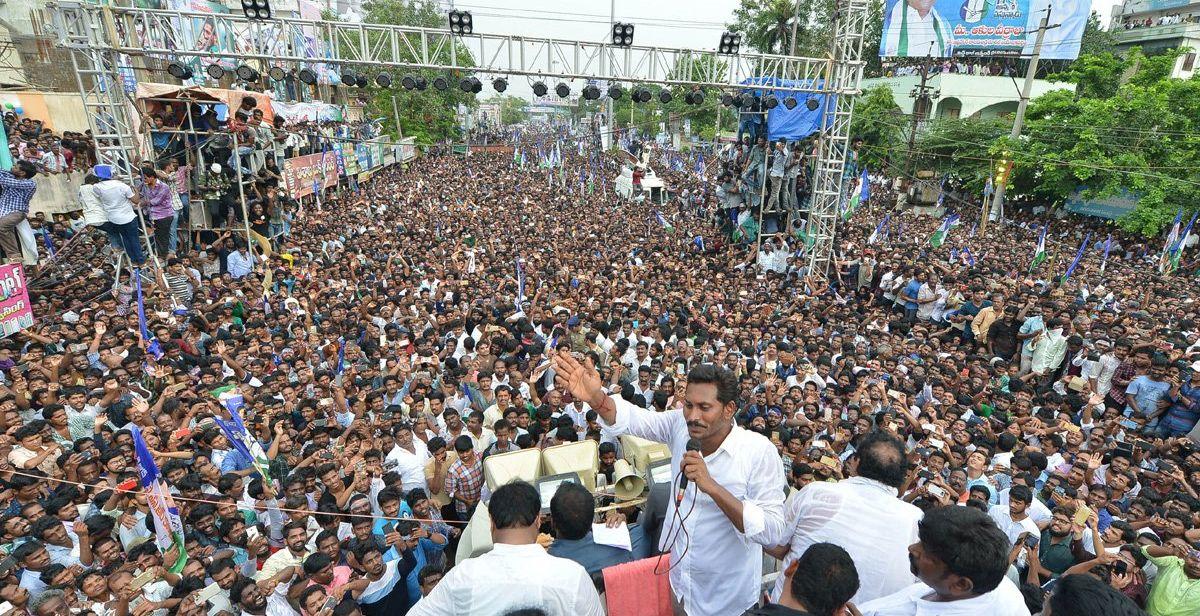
(766, 23)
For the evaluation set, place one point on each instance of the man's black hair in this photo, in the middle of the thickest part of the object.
(1084, 595)
(712, 374)
(515, 505)
(968, 543)
(1021, 493)
(316, 561)
(572, 509)
(824, 579)
(427, 572)
(881, 457)
(220, 565)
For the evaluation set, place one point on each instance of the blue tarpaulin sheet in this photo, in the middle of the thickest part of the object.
(790, 124)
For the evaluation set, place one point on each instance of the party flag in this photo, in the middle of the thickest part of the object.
(878, 232)
(663, 221)
(1039, 253)
(1078, 257)
(860, 196)
(1107, 246)
(152, 346)
(168, 528)
(943, 231)
(48, 241)
(1164, 260)
(235, 431)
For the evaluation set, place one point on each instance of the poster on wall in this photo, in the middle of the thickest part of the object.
(944, 28)
(16, 313)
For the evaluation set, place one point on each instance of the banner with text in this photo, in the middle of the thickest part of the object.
(944, 28)
(301, 173)
(16, 313)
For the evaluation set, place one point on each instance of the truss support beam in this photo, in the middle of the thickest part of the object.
(164, 34)
(845, 76)
(103, 39)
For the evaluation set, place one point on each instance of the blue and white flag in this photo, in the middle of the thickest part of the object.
(877, 234)
(1087, 240)
(247, 445)
(1107, 246)
(48, 241)
(168, 528)
(152, 346)
(520, 284)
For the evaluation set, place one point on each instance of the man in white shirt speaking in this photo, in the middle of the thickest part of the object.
(961, 560)
(863, 515)
(733, 502)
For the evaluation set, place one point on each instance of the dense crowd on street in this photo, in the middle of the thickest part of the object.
(947, 430)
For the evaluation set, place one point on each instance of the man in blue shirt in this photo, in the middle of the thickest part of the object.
(240, 262)
(1030, 329)
(16, 191)
(909, 296)
(571, 511)
(1146, 395)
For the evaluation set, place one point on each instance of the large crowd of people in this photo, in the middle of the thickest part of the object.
(927, 430)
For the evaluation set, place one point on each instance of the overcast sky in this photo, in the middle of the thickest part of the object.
(669, 23)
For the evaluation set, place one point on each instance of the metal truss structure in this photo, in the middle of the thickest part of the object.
(845, 76)
(104, 40)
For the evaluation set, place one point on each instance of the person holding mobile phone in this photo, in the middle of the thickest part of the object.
(1013, 519)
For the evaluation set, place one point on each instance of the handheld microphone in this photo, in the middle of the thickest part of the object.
(692, 445)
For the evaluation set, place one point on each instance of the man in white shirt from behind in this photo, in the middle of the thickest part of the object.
(863, 515)
(517, 573)
(961, 560)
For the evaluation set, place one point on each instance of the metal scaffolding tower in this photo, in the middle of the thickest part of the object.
(106, 41)
(845, 74)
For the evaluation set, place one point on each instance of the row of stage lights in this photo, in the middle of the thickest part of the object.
(462, 23)
(591, 92)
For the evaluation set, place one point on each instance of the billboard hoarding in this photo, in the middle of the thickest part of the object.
(301, 173)
(16, 313)
(944, 28)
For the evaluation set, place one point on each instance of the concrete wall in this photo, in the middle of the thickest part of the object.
(58, 110)
(964, 96)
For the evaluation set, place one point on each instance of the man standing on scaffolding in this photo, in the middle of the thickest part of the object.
(18, 188)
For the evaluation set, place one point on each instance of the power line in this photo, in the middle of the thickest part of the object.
(1037, 159)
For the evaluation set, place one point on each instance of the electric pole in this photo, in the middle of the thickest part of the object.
(997, 205)
(922, 102)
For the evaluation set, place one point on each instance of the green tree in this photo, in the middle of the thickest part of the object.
(768, 25)
(878, 121)
(1128, 128)
(430, 116)
(513, 110)
(958, 148)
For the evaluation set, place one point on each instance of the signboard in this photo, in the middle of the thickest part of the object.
(943, 28)
(301, 173)
(349, 158)
(16, 313)
(1113, 207)
(407, 150)
(364, 156)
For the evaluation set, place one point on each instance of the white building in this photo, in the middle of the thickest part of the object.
(1156, 25)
